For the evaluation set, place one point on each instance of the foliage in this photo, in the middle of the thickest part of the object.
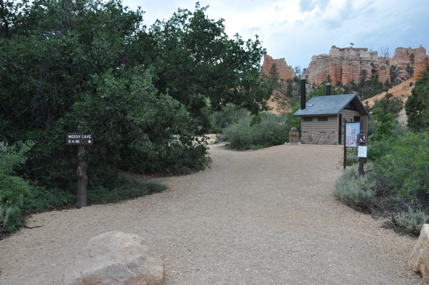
(197, 61)
(41, 198)
(143, 93)
(321, 91)
(411, 221)
(393, 73)
(228, 115)
(136, 129)
(254, 132)
(410, 70)
(12, 187)
(354, 190)
(352, 156)
(389, 104)
(403, 174)
(417, 105)
(384, 137)
(128, 189)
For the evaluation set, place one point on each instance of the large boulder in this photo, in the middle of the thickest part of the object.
(115, 258)
(419, 259)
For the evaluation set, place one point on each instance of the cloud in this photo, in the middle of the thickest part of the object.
(307, 5)
(298, 29)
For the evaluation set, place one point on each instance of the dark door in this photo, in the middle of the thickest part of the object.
(340, 127)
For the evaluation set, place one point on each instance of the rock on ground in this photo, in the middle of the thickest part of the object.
(115, 258)
(419, 259)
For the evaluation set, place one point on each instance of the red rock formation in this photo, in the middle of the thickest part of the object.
(345, 64)
(403, 57)
(285, 72)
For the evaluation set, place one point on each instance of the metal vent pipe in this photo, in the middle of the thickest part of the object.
(328, 89)
(303, 95)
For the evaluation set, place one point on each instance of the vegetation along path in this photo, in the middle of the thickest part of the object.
(255, 217)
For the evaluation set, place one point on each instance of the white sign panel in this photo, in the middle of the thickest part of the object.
(362, 151)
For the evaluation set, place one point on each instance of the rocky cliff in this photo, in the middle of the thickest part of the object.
(417, 58)
(285, 72)
(345, 64)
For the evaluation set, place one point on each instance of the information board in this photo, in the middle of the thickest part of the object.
(362, 151)
(352, 131)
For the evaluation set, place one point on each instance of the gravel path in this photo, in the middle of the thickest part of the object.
(255, 217)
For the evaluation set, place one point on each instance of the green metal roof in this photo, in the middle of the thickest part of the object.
(331, 105)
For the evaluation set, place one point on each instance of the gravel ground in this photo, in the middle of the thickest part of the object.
(255, 217)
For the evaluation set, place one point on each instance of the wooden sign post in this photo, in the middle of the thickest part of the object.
(82, 179)
(362, 151)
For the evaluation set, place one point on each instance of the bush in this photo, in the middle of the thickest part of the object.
(229, 115)
(354, 191)
(411, 222)
(389, 104)
(352, 156)
(403, 174)
(254, 132)
(12, 187)
(128, 189)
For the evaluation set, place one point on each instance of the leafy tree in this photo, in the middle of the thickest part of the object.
(417, 105)
(389, 104)
(197, 62)
(136, 129)
(143, 93)
(12, 187)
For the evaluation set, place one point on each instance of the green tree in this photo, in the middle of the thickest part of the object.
(363, 83)
(393, 73)
(12, 187)
(410, 70)
(143, 93)
(197, 63)
(389, 104)
(417, 105)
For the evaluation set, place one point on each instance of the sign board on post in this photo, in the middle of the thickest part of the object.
(352, 131)
(79, 139)
(362, 151)
(362, 138)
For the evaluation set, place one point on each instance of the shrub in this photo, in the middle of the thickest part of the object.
(12, 187)
(352, 156)
(128, 189)
(403, 174)
(230, 114)
(354, 191)
(389, 104)
(254, 132)
(411, 222)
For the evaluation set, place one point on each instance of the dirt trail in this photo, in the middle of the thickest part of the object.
(255, 217)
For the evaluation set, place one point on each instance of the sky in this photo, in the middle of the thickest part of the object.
(298, 29)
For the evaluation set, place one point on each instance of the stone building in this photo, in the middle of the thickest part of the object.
(322, 118)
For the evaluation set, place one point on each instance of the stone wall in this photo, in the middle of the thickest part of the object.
(319, 137)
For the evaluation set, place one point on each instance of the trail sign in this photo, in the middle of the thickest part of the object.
(79, 139)
(362, 138)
